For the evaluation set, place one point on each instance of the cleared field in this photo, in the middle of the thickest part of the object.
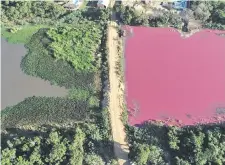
(172, 79)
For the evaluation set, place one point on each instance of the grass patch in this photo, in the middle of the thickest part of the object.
(79, 94)
(23, 35)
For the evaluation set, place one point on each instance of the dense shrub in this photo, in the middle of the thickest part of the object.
(45, 110)
(104, 121)
(76, 44)
(39, 62)
(74, 17)
(98, 15)
(211, 25)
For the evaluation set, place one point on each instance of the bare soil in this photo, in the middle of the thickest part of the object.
(118, 131)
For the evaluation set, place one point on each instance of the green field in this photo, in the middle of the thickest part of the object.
(23, 35)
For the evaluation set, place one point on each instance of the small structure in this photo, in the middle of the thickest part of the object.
(73, 4)
(103, 3)
(61, 2)
(178, 5)
(77, 3)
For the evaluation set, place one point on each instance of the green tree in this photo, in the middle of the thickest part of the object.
(180, 161)
(35, 157)
(218, 12)
(22, 161)
(8, 156)
(202, 10)
(93, 159)
(143, 153)
(58, 151)
(174, 138)
(155, 155)
(76, 148)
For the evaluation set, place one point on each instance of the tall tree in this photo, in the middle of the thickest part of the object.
(76, 148)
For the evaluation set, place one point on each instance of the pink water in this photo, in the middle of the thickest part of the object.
(171, 77)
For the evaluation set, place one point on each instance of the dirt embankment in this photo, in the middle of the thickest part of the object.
(118, 131)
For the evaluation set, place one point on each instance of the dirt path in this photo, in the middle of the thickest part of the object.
(118, 132)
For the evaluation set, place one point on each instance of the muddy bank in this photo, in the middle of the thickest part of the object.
(15, 85)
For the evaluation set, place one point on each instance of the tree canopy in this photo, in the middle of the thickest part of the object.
(157, 144)
(51, 145)
(23, 12)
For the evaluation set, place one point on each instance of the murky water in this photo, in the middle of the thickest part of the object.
(15, 85)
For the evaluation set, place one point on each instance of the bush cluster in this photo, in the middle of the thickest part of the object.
(76, 44)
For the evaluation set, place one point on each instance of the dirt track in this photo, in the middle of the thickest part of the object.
(118, 132)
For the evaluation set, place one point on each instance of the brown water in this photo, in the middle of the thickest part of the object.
(15, 85)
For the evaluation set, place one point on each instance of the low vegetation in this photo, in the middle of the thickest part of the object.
(45, 110)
